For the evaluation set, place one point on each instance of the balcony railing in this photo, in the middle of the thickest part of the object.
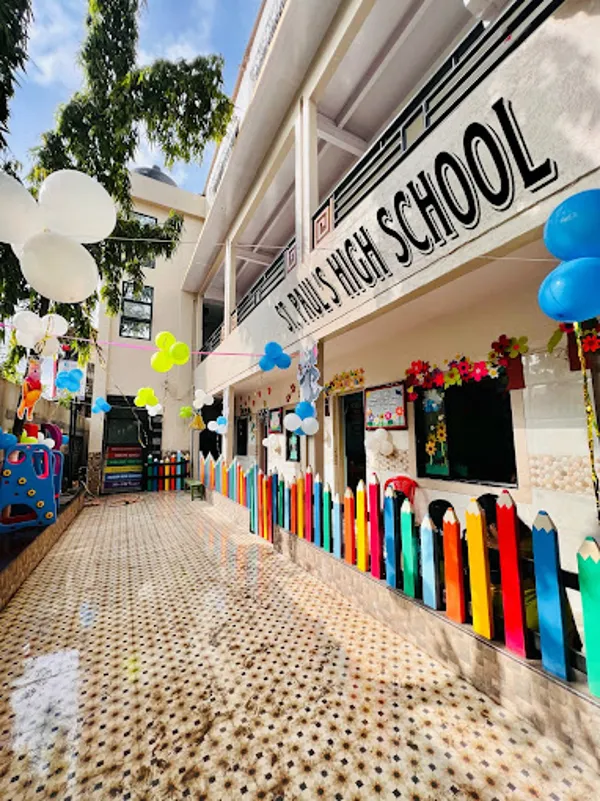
(477, 55)
(213, 342)
(272, 277)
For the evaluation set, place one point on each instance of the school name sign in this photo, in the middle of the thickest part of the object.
(423, 216)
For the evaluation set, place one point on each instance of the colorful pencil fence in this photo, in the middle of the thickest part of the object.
(379, 533)
(166, 474)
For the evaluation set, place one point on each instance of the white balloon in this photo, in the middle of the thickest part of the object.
(266, 442)
(51, 347)
(310, 426)
(212, 426)
(58, 268)
(27, 340)
(371, 444)
(381, 434)
(221, 430)
(208, 400)
(28, 322)
(76, 205)
(291, 421)
(386, 449)
(18, 249)
(154, 410)
(21, 217)
(55, 325)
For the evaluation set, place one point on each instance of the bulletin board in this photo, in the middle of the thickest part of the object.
(385, 407)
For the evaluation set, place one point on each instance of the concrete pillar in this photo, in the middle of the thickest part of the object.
(229, 413)
(101, 373)
(230, 286)
(307, 174)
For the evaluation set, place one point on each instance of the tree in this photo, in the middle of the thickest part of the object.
(180, 105)
(15, 16)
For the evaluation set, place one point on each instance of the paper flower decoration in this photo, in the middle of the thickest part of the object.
(186, 412)
(219, 425)
(101, 405)
(7, 440)
(47, 235)
(145, 397)
(302, 420)
(274, 357)
(39, 333)
(155, 410)
(202, 398)
(170, 352)
(69, 380)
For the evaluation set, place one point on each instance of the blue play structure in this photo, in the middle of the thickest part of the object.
(31, 482)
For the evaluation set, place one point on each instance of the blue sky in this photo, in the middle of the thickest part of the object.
(168, 29)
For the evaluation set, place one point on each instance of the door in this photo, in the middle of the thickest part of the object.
(263, 451)
(353, 412)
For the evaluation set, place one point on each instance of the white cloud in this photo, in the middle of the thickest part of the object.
(147, 155)
(55, 38)
(196, 41)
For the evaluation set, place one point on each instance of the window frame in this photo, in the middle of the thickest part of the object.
(128, 318)
(147, 219)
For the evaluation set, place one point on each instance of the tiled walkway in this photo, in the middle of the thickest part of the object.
(154, 655)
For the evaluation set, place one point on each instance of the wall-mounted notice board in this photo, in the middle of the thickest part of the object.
(385, 407)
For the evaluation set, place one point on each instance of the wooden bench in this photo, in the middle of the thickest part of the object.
(196, 488)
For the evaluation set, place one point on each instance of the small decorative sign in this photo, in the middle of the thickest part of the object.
(276, 421)
(292, 446)
(385, 407)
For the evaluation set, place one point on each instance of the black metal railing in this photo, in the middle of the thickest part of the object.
(213, 342)
(263, 286)
(475, 57)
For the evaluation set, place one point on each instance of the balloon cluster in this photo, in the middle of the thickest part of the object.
(571, 293)
(380, 442)
(48, 235)
(202, 398)
(147, 397)
(274, 357)
(185, 412)
(101, 405)
(219, 425)
(302, 420)
(70, 380)
(273, 442)
(39, 333)
(170, 352)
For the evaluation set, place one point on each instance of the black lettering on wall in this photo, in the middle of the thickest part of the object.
(284, 314)
(401, 202)
(360, 266)
(322, 280)
(340, 270)
(371, 253)
(479, 136)
(426, 200)
(293, 300)
(404, 255)
(305, 305)
(466, 210)
(534, 178)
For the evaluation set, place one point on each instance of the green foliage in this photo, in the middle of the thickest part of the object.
(14, 19)
(180, 105)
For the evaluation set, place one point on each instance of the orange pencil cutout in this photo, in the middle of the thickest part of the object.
(349, 532)
(453, 569)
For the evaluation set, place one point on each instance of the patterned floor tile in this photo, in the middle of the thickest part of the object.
(160, 653)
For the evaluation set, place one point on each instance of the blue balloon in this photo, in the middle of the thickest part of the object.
(283, 361)
(221, 421)
(266, 364)
(572, 230)
(273, 350)
(105, 405)
(300, 432)
(571, 293)
(305, 409)
(7, 441)
(65, 439)
(77, 374)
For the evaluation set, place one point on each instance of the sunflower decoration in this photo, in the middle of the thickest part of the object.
(441, 433)
(430, 449)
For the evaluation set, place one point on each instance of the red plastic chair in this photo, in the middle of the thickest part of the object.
(407, 486)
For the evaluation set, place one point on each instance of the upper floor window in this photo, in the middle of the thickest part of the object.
(146, 219)
(136, 312)
(465, 433)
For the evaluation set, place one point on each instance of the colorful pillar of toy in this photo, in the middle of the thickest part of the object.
(513, 601)
(430, 565)
(479, 571)
(375, 532)
(318, 511)
(392, 537)
(337, 525)
(308, 504)
(349, 528)
(294, 506)
(362, 535)
(300, 517)
(327, 518)
(588, 561)
(456, 607)
(410, 555)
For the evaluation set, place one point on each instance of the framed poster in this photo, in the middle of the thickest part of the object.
(292, 446)
(385, 407)
(276, 421)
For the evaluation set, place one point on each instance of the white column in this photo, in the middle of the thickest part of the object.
(307, 174)
(229, 413)
(230, 286)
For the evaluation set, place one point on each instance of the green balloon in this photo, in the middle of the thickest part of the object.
(164, 340)
(186, 412)
(161, 362)
(179, 353)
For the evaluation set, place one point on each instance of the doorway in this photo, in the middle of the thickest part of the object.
(263, 451)
(353, 421)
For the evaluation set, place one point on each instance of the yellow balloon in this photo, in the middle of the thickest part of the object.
(179, 353)
(161, 362)
(164, 340)
(139, 402)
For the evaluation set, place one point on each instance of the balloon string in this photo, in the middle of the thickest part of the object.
(592, 423)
